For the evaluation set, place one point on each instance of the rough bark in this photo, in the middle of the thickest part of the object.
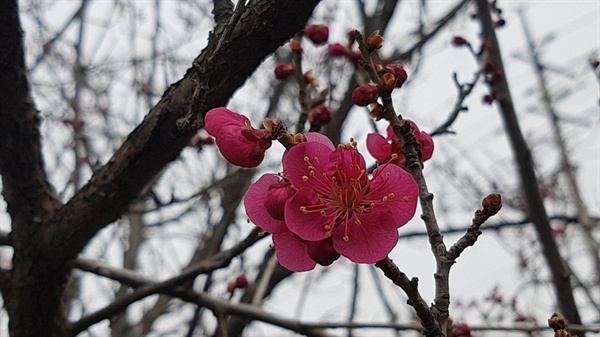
(47, 235)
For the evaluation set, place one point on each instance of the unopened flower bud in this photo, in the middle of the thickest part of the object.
(388, 82)
(489, 67)
(496, 77)
(492, 204)
(322, 252)
(320, 115)
(318, 34)
(284, 70)
(557, 322)
(375, 40)
(488, 99)
(459, 41)
(336, 50)
(240, 282)
(296, 46)
(365, 94)
(461, 330)
(399, 73)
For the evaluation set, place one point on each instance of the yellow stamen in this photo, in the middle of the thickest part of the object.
(385, 198)
(323, 213)
(405, 198)
(306, 159)
(328, 234)
(357, 221)
(346, 238)
(303, 209)
(304, 178)
(391, 195)
(327, 227)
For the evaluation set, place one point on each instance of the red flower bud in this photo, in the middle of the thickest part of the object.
(318, 34)
(500, 23)
(240, 282)
(284, 70)
(399, 73)
(365, 94)
(461, 330)
(320, 115)
(488, 99)
(492, 204)
(336, 50)
(459, 41)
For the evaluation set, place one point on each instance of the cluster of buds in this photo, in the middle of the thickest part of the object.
(391, 76)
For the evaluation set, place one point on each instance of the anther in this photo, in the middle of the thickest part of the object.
(405, 198)
(304, 178)
(385, 198)
(357, 221)
(327, 227)
(261, 234)
(323, 213)
(394, 156)
(328, 234)
(346, 238)
(303, 209)
(387, 174)
(306, 159)
(311, 173)
(391, 195)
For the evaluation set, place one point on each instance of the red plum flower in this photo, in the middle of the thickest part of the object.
(335, 199)
(238, 141)
(390, 150)
(265, 202)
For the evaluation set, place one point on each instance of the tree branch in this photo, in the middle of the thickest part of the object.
(159, 139)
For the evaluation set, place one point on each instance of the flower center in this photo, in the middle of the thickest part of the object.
(341, 194)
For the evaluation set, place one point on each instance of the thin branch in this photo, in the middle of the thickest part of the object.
(145, 289)
(410, 287)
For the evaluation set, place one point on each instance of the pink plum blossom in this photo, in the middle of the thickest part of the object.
(265, 202)
(238, 141)
(336, 199)
(383, 149)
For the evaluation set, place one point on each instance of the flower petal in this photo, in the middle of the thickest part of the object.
(347, 164)
(238, 150)
(426, 145)
(254, 202)
(319, 138)
(368, 242)
(379, 147)
(300, 157)
(292, 252)
(309, 225)
(400, 189)
(218, 118)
